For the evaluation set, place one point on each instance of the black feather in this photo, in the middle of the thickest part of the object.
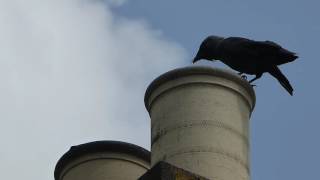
(275, 72)
(248, 56)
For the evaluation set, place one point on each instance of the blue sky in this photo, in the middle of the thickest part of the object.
(284, 129)
(75, 71)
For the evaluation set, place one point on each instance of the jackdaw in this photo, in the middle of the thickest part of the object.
(248, 56)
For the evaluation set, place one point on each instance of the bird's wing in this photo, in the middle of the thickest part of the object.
(268, 51)
(262, 48)
(283, 55)
(240, 47)
(271, 43)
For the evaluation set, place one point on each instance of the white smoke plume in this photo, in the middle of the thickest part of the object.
(72, 71)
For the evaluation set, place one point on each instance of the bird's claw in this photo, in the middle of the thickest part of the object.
(244, 77)
(253, 85)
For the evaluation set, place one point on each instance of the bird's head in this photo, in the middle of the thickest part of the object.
(208, 49)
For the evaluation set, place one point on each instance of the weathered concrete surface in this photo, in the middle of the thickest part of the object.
(103, 160)
(200, 121)
(166, 171)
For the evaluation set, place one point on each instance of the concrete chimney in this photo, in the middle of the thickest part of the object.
(200, 121)
(103, 160)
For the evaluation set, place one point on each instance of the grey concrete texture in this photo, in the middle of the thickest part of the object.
(200, 121)
(103, 166)
(103, 160)
(166, 171)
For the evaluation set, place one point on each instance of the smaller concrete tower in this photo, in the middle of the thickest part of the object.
(200, 121)
(102, 160)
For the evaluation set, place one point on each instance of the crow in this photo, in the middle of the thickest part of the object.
(248, 56)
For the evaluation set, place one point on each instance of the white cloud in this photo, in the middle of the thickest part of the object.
(115, 2)
(71, 72)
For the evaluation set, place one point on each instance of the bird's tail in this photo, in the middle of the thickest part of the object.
(275, 72)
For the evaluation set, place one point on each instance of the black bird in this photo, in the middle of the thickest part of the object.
(248, 56)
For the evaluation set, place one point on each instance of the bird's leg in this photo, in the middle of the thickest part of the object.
(257, 77)
(242, 76)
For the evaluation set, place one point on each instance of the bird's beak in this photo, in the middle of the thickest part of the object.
(195, 59)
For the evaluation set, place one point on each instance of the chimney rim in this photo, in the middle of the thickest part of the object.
(197, 70)
(100, 146)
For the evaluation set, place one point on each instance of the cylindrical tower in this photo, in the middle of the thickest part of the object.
(103, 160)
(200, 121)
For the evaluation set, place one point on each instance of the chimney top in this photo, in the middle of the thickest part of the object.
(97, 147)
(197, 70)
